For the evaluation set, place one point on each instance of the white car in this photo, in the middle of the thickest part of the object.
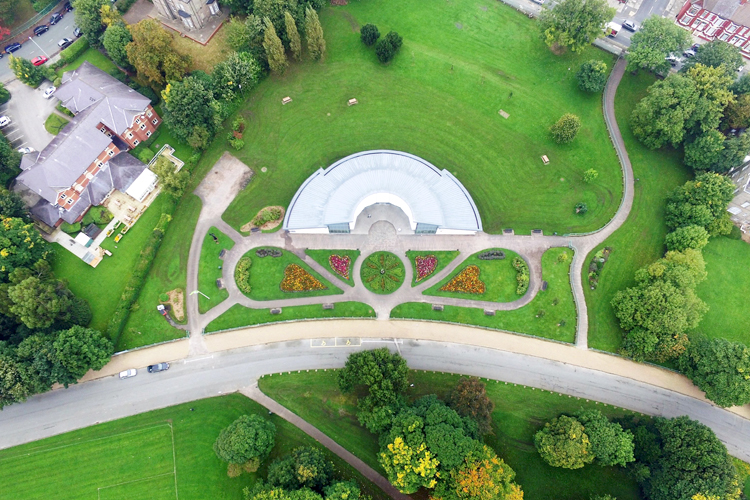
(629, 25)
(128, 373)
(25, 151)
(50, 90)
(4, 121)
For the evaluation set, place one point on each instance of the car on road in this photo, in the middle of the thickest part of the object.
(49, 92)
(539, 2)
(9, 49)
(25, 151)
(4, 121)
(39, 60)
(629, 25)
(132, 372)
(158, 367)
(77, 32)
(64, 43)
(56, 18)
(40, 30)
(67, 7)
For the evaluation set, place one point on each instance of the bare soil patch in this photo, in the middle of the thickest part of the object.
(351, 20)
(268, 225)
(558, 50)
(177, 303)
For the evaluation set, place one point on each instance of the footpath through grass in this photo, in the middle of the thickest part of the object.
(443, 259)
(238, 316)
(640, 240)
(322, 258)
(461, 63)
(159, 455)
(519, 413)
(552, 313)
(210, 269)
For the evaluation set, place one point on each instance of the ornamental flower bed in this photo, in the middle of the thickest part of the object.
(296, 279)
(467, 281)
(340, 264)
(382, 272)
(242, 274)
(522, 276)
(425, 266)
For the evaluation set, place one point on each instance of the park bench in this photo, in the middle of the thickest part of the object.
(352, 102)
(286, 100)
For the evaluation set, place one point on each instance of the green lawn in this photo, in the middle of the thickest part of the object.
(159, 455)
(556, 302)
(210, 269)
(55, 123)
(499, 278)
(238, 316)
(461, 63)
(725, 290)
(640, 240)
(94, 57)
(443, 259)
(519, 413)
(267, 273)
(321, 257)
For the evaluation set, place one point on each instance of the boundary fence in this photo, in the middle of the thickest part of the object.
(31, 22)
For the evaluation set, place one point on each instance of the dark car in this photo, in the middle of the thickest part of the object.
(9, 49)
(40, 30)
(67, 7)
(158, 367)
(56, 18)
(77, 32)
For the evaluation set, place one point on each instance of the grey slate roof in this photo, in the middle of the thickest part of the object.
(334, 195)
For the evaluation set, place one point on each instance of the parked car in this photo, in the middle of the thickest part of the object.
(629, 25)
(12, 47)
(56, 18)
(64, 43)
(158, 367)
(67, 7)
(540, 2)
(25, 151)
(49, 92)
(128, 373)
(39, 60)
(4, 121)
(673, 59)
(689, 53)
(695, 47)
(77, 32)
(40, 30)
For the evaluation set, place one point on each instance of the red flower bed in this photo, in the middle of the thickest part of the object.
(467, 281)
(296, 279)
(425, 266)
(340, 265)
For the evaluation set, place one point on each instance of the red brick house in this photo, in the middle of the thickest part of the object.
(725, 20)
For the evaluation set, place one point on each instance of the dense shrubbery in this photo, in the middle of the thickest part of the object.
(387, 46)
(75, 50)
(522, 275)
(269, 214)
(592, 76)
(566, 128)
(369, 34)
(242, 274)
(492, 255)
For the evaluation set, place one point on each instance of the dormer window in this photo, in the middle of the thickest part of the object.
(154, 121)
(99, 164)
(137, 120)
(111, 153)
(136, 142)
(149, 113)
(143, 126)
(130, 134)
(62, 196)
(70, 201)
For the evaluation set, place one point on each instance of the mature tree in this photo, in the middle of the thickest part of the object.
(316, 44)
(25, 71)
(342, 490)
(78, 350)
(110, 15)
(235, 76)
(566, 128)
(239, 6)
(448, 437)
(408, 463)
(575, 23)
(295, 45)
(737, 112)
(563, 442)
(685, 237)
(35, 302)
(21, 245)
(369, 34)
(236, 34)
(387, 46)
(702, 202)
(715, 54)
(152, 54)
(4, 94)
(592, 76)
(274, 11)
(706, 150)
(733, 155)
(712, 85)
(741, 85)
(469, 399)
(263, 491)
(246, 441)
(10, 159)
(662, 116)
(274, 48)
(610, 444)
(115, 40)
(88, 14)
(7, 11)
(721, 369)
(11, 205)
(190, 106)
(657, 38)
(306, 467)
(13, 380)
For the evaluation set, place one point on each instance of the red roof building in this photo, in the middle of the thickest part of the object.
(725, 20)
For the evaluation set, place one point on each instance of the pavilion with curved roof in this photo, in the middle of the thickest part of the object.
(330, 200)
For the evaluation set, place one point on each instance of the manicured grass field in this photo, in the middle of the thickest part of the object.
(321, 257)
(267, 273)
(519, 413)
(94, 57)
(725, 290)
(641, 239)
(499, 278)
(159, 455)
(443, 259)
(461, 63)
(55, 123)
(238, 316)
(210, 270)
(558, 321)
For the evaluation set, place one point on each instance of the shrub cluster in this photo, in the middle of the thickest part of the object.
(70, 228)
(387, 46)
(596, 266)
(76, 49)
(522, 275)
(267, 215)
(268, 252)
(146, 154)
(242, 274)
(566, 128)
(492, 255)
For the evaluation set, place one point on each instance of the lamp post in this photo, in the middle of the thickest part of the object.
(40, 48)
(198, 291)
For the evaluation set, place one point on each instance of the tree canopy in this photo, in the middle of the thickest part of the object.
(662, 116)
(653, 42)
(115, 40)
(235, 76)
(275, 52)
(316, 44)
(685, 237)
(592, 76)
(88, 14)
(563, 442)
(21, 245)
(575, 23)
(469, 399)
(715, 54)
(386, 47)
(369, 34)
(566, 128)
(152, 55)
(720, 368)
(702, 202)
(249, 438)
(190, 108)
(305, 467)
(610, 444)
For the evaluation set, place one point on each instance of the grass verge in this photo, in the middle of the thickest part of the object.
(210, 269)
(443, 259)
(321, 257)
(94, 57)
(55, 123)
(238, 316)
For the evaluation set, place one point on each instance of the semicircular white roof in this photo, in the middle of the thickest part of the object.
(333, 195)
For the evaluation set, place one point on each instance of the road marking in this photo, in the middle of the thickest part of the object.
(190, 360)
(336, 342)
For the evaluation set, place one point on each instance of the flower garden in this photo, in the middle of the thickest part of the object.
(297, 279)
(427, 264)
(382, 272)
(488, 275)
(339, 262)
(467, 281)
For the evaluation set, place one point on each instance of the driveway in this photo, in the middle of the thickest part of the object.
(28, 109)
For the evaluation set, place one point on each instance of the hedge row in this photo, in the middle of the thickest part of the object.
(71, 53)
(522, 276)
(242, 274)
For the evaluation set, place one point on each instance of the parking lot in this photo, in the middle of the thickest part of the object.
(27, 109)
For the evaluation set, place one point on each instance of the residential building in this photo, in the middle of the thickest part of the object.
(739, 207)
(725, 20)
(194, 14)
(88, 159)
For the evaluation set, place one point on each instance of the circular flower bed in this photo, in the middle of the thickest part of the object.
(382, 272)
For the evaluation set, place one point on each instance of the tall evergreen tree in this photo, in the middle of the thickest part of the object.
(291, 32)
(316, 44)
(274, 48)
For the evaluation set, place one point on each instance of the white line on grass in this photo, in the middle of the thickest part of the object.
(174, 462)
(98, 490)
